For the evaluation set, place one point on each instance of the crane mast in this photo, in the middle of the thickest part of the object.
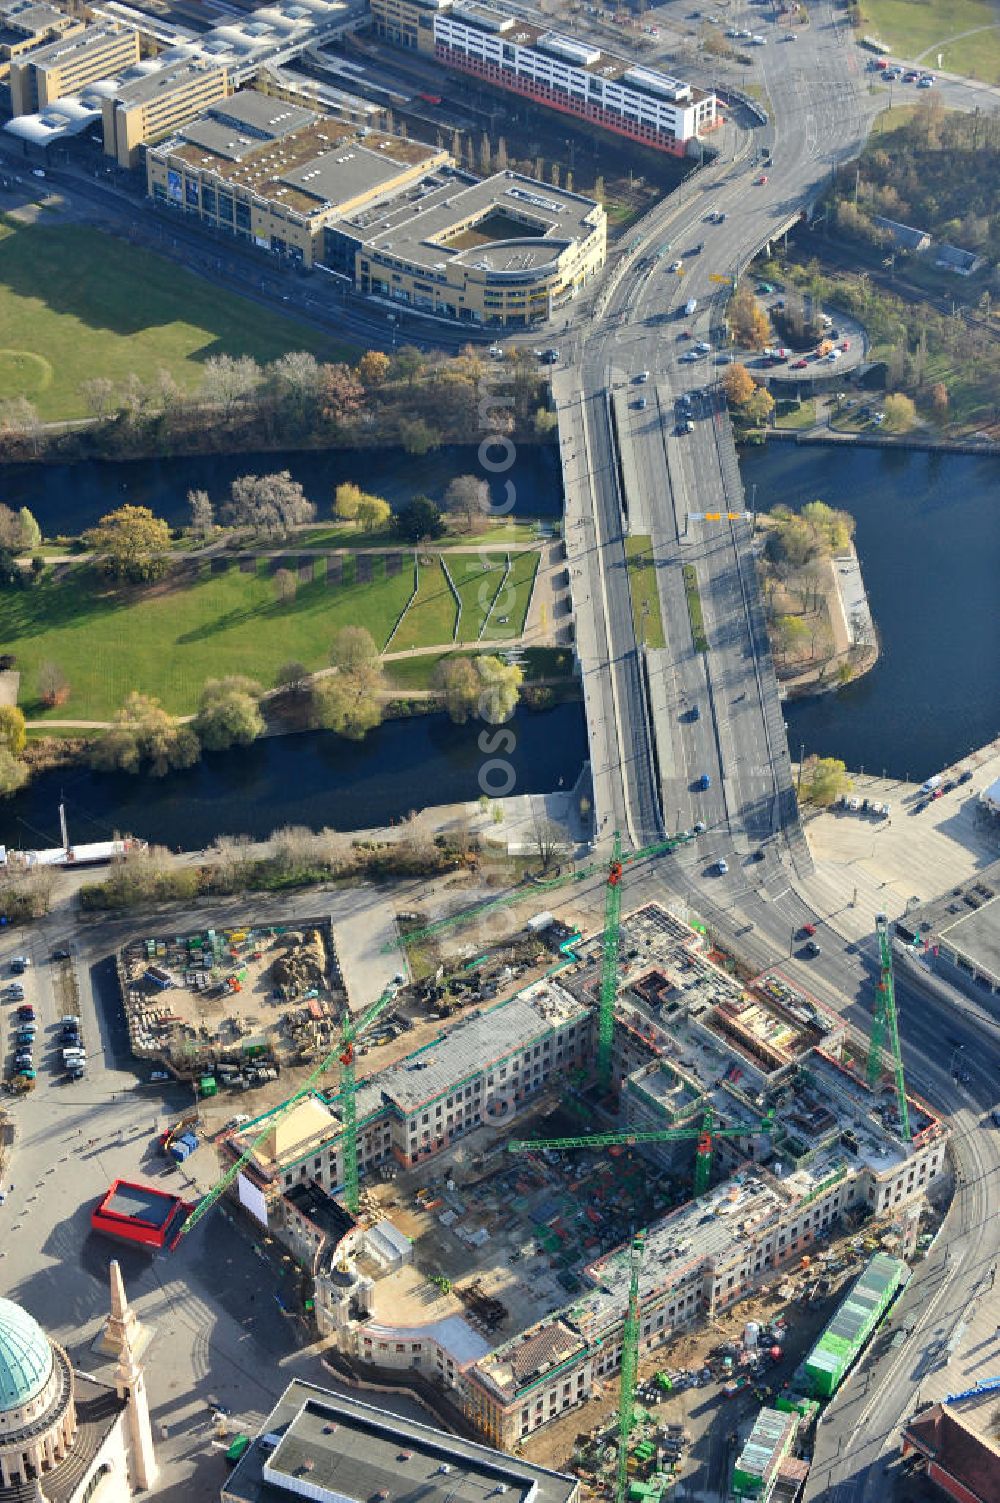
(629, 1365)
(885, 1026)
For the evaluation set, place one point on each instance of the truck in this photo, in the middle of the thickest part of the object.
(932, 783)
(690, 306)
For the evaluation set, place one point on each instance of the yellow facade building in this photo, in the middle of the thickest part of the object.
(394, 218)
(68, 65)
(25, 24)
(156, 103)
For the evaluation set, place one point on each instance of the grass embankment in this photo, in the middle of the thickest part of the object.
(795, 414)
(965, 32)
(431, 619)
(693, 596)
(540, 663)
(168, 638)
(76, 303)
(646, 616)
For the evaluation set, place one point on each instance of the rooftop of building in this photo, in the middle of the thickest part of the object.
(305, 162)
(30, 19)
(967, 917)
(434, 221)
(472, 1045)
(961, 1438)
(574, 51)
(312, 1202)
(710, 1227)
(349, 1449)
(514, 1366)
(766, 1442)
(143, 84)
(65, 49)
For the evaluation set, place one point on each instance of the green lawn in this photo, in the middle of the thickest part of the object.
(795, 414)
(431, 617)
(918, 30)
(75, 303)
(646, 615)
(477, 579)
(510, 609)
(168, 641)
(693, 595)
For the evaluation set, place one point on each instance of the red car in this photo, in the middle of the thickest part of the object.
(799, 365)
(845, 344)
(809, 929)
(760, 181)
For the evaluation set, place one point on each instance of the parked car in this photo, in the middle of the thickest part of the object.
(813, 949)
(807, 929)
(799, 365)
(704, 782)
(722, 866)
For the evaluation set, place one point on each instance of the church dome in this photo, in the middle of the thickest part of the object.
(25, 1356)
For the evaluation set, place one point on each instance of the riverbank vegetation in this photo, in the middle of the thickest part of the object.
(797, 569)
(293, 857)
(822, 780)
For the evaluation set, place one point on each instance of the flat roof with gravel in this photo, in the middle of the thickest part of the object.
(347, 1449)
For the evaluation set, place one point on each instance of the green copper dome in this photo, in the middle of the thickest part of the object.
(25, 1356)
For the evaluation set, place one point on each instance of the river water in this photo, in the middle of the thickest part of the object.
(928, 538)
(68, 498)
(315, 779)
(928, 535)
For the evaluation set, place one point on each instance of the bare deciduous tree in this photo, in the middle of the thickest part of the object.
(270, 504)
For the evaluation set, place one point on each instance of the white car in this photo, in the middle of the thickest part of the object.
(642, 376)
(722, 866)
(676, 265)
(703, 347)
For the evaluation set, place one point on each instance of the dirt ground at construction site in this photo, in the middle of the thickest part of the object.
(716, 1423)
(516, 1231)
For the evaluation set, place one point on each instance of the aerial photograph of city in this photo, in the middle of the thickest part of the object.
(499, 751)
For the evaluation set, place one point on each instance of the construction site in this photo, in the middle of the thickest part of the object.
(233, 1007)
(635, 1164)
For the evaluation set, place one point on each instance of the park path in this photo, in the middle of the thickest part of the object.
(386, 694)
(958, 37)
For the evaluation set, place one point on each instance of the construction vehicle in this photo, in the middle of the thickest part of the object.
(703, 1135)
(344, 1051)
(885, 1021)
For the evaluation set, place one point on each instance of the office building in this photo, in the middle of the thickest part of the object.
(155, 100)
(26, 24)
(69, 65)
(559, 72)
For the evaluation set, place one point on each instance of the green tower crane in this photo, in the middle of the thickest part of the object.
(885, 1021)
(629, 1369)
(344, 1050)
(704, 1137)
(491, 905)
